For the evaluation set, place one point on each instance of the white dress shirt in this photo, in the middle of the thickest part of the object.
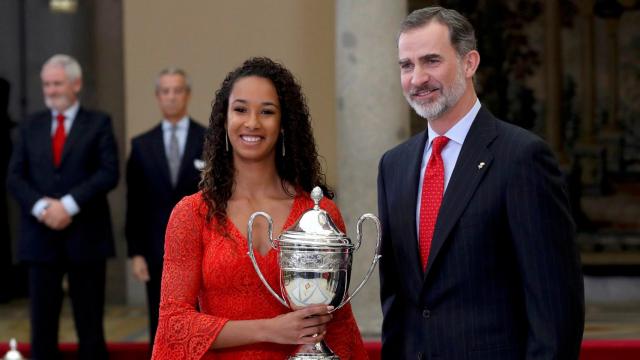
(68, 202)
(182, 130)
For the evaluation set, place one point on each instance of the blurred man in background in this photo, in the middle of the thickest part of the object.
(164, 166)
(62, 167)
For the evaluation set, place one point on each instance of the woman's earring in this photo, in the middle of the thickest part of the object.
(283, 151)
(226, 141)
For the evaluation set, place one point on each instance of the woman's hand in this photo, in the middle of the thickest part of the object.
(304, 326)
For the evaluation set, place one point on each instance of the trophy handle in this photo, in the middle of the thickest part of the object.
(252, 255)
(376, 257)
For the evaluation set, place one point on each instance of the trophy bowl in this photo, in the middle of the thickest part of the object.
(315, 265)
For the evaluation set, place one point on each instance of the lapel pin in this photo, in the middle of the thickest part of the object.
(199, 164)
(481, 165)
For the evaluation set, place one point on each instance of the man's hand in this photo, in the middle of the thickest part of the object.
(139, 268)
(55, 216)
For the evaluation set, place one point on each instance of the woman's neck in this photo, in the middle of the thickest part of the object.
(255, 180)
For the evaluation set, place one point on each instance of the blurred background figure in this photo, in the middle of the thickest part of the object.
(163, 167)
(6, 261)
(64, 164)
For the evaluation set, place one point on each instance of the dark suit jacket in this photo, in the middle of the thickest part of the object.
(150, 195)
(503, 278)
(88, 171)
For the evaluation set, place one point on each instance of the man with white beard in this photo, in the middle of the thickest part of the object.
(478, 253)
(64, 164)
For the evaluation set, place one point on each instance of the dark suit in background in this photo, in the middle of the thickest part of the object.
(503, 278)
(7, 276)
(88, 171)
(151, 198)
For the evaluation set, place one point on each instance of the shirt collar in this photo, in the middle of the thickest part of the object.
(180, 125)
(459, 131)
(70, 113)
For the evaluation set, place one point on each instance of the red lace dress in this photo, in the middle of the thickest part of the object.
(206, 270)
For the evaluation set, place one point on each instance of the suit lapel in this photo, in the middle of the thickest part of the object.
(190, 150)
(466, 176)
(160, 155)
(408, 191)
(43, 136)
(74, 133)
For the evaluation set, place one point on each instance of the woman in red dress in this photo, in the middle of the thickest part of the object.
(260, 155)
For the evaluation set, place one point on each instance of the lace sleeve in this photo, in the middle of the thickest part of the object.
(343, 335)
(183, 332)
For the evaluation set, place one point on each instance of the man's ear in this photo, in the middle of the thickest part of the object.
(471, 62)
(76, 85)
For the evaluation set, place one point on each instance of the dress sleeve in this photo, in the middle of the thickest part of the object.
(343, 335)
(184, 332)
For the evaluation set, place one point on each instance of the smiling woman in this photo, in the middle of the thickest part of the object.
(259, 154)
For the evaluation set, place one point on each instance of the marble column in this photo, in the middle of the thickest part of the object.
(372, 116)
(588, 80)
(612, 133)
(553, 86)
(612, 24)
(109, 95)
(588, 154)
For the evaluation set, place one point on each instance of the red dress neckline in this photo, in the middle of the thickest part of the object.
(233, 229)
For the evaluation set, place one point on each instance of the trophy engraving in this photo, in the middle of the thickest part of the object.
(315, 265)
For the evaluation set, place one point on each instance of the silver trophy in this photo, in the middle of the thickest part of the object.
(13, 353)
(315, 265)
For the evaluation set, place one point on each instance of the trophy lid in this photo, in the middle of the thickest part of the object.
(315, 228)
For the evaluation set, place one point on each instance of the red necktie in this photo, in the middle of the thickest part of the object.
(58, 140)
(431, 197)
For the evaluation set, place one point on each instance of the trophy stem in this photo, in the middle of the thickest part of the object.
(317, 351)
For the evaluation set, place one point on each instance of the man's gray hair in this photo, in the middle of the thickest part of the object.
(70, 66)
(461, 31)
(172, 70)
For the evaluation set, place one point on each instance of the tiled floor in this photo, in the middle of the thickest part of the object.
(619, 321)
(128, 324)
(122, 323)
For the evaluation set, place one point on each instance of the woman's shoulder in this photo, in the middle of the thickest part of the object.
(192, 203)
(191, 200)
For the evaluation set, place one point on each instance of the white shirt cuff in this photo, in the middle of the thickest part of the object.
(70, 205)
(39, 207)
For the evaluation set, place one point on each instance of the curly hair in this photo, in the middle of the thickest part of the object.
(300, 168)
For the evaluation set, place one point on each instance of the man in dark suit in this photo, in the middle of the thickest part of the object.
(478, 258)
(6, 258)
(62, 167)
(164, 166)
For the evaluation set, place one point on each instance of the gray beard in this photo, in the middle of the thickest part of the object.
(432, 110)
(450, 97)
(49, 102)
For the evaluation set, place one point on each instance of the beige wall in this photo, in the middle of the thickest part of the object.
(210, 38)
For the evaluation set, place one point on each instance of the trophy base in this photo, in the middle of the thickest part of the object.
(317, 351)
